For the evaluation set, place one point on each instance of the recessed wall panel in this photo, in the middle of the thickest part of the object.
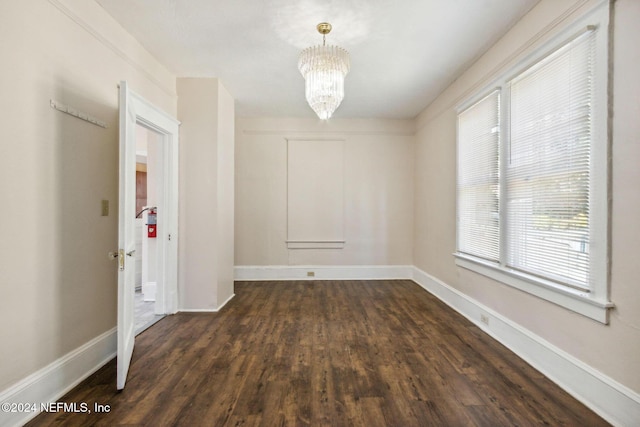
(315, 193)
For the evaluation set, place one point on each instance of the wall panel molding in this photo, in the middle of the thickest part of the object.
(315, 193)
(297, 134)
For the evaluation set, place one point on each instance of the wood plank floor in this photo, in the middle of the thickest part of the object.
(331, 353)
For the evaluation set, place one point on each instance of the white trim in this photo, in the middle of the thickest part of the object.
(58, 378)
(322, 272)
(198, 310)
(578, 9)
(304, 134)
(152, 117)
(71, 14)
(207, 310)
(226, 301)
(301, 232)
(571, 299)
(613, 401)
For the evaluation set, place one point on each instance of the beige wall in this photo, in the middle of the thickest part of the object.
(378, 191)
(612, 349)
(58, 287)
(206, 111)
(226, 194)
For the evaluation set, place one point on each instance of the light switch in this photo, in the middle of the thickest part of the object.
(105, 208)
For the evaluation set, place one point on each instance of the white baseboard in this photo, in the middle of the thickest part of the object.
(225, 303)
(55, 380)
(322, 272)
(207, 310)
(614, 402)
(198, 310)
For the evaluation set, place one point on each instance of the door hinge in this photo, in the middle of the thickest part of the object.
(169, 236)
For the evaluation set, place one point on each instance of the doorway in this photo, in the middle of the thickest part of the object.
(136, 112)
(148, 179)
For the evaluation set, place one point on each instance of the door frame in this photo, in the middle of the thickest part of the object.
(152, 117)
(134, 110)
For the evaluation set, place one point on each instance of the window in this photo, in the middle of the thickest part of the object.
(478, 179)
(532, 176)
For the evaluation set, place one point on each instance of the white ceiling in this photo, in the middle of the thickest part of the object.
(403, 52)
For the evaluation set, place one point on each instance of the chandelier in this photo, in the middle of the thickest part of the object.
(324, 68)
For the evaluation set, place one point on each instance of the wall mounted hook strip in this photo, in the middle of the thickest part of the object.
(76, 113)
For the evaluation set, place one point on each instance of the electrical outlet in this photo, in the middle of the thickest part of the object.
(311, 274)
(105, 208)
(484, 319)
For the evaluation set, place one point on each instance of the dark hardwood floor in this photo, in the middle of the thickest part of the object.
(331, 353)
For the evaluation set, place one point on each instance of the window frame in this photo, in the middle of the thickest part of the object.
(595, 302)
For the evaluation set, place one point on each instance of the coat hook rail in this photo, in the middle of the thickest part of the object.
(76, 113)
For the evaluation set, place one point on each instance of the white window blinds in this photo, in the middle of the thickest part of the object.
(478, 179)
(533, 172)
(548, 165)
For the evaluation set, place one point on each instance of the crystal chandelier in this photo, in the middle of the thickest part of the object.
(324, 68)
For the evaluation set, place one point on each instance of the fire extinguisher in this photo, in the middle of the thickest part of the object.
(152, 221)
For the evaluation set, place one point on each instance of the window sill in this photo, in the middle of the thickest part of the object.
(574, 300)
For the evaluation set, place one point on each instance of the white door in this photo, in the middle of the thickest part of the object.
(126, 235)
(135, 109)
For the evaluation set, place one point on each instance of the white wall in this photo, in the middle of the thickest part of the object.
(58, 287)
(378, 191)
(611, 349)
(205, 109)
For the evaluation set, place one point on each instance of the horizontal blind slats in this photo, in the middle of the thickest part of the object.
(478, 178)
(548, 170)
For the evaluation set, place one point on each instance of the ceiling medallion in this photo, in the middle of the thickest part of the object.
(324, 69)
